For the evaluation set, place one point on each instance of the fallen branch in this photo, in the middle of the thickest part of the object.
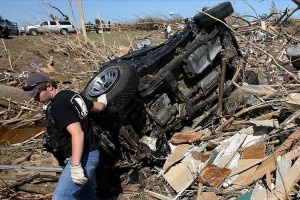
(156, 195)
(35, 168)
(29, 179)
(246, 110)
(285, 123)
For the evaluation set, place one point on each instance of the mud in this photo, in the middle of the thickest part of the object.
(13, 136)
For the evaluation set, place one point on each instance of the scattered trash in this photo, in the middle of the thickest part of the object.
(144, 43)
(35, 65)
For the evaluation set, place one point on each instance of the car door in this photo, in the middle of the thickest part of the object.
(43, 27)
(54, 28)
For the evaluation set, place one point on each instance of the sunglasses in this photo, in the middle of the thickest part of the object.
(31, 87)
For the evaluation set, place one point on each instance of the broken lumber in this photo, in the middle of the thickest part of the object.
(269, 164)
(289, 180)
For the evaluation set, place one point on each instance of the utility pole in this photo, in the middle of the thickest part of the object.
(82, 22)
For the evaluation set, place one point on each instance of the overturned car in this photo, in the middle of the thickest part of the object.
(155, 91)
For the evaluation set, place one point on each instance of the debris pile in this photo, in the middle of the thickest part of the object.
(251, 154)
(150, 24)
(250, 150)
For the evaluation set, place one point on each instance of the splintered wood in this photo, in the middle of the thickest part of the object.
(258, 159)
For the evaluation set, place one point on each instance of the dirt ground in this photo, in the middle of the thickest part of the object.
(66, 58)
(24, 50)
(24, 54)
(72, 64)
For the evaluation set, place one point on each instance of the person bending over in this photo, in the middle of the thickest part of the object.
(69, 136)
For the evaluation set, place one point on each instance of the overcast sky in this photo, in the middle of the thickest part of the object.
(26, 12)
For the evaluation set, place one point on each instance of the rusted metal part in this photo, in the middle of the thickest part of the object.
(221, 87)
(201, 156)
(213, 175)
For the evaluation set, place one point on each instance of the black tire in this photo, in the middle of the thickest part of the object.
(220, 11)
(119, 85)
(99, 31)
(64, 31)
(6, 33)
(33, 32)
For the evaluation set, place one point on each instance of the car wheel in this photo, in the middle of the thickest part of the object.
(119, 81)
(6, 34)
(33, 32)
(219, 11)
(64, 31)
(99, 31)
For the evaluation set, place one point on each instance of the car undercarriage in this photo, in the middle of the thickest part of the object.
(156, 91)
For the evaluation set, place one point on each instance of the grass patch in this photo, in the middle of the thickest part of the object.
(125, 38)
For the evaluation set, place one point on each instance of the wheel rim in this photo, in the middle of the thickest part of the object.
(103, 82)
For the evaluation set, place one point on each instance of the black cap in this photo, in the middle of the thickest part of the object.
(34, 82)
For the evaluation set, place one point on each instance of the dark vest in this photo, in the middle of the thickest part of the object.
(55, 142)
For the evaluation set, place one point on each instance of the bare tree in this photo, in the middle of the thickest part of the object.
(297, 2)
(54, 17)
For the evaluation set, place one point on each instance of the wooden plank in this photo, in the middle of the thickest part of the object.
(269, 163)
(268, 115)
(256, 151)
(290, 179)
(199, 192)
(177, 155)
(181, 138)
(259, 192)
(283, 166)
(269, 183)
(295, 153)
(228, 152)
(242, 165)
(208, 196)
(178, 176)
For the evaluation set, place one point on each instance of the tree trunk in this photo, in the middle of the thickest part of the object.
(82, 21)
(297, 2)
